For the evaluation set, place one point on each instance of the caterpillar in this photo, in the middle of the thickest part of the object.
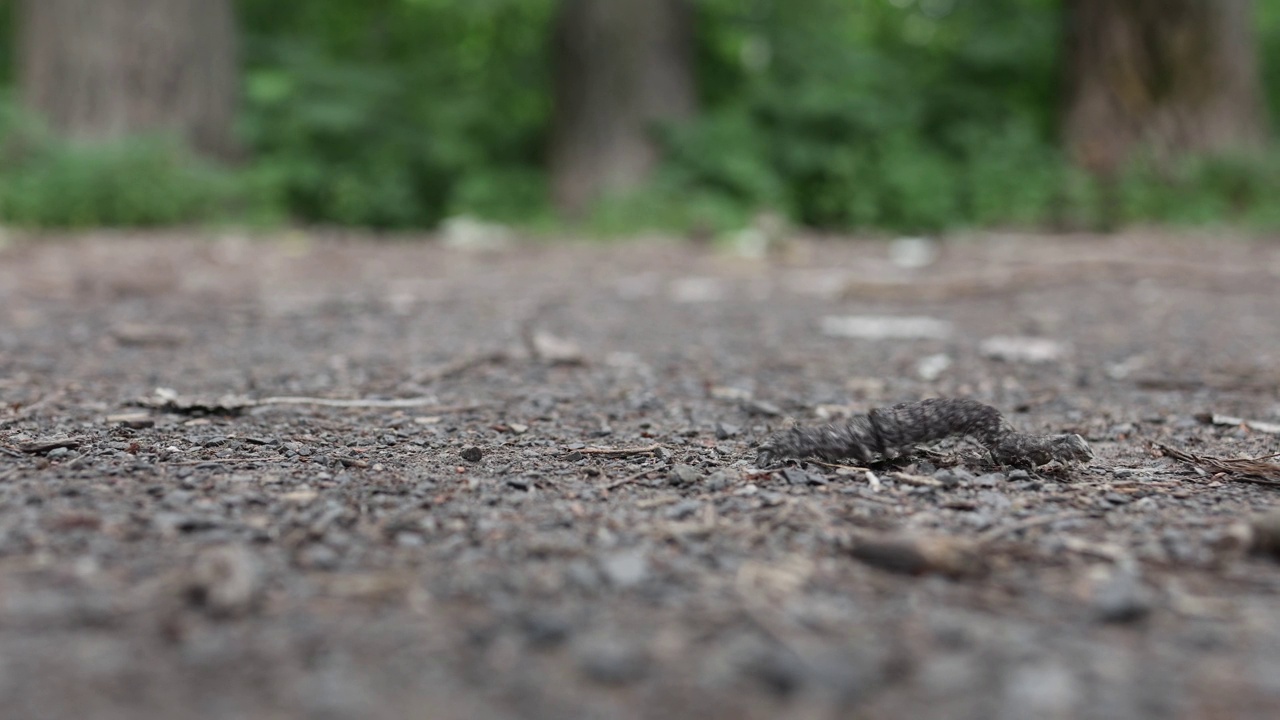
(885, 433)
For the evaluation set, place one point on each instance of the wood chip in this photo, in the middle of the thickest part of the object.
(136, 421)
(920, 554)
(38, 447)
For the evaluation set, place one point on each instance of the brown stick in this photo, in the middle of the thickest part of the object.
(621, 452)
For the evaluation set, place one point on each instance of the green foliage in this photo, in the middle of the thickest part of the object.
(914, 116)
(140, 181)
(399, 113)
(1234, 187)
(903, 115)
(1268, 28)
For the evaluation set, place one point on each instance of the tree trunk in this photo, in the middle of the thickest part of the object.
(102, 69)
(620, 66)
(1164, 77)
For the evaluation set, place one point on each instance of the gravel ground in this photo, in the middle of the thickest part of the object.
(538, 497)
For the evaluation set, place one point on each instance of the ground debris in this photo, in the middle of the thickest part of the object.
(134, 420)
(1260, 535)
(1120, 596)
(38, 447)
(1262, 470)
(166, 400)
(386, 574)
(875, 327)
(225, 581)
(919, 554)
(1269, 428)
(553, 349)
(135, 335)
(1020, 349)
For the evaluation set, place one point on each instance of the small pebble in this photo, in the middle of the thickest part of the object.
(1121, 598)
(613, 662)
(684, 475)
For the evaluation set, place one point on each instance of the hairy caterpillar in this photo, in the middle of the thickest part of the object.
(891, 431)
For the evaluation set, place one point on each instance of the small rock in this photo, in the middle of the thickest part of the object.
(1121, 598)
(876, 327)
(684, 475)
(762, 407)
(226, 581)
(776, 670)
(472, 454)
(1022, 349)
(469, 234)
(697, 289)
(544, 631)
(554, 350)
(717, 481)
(683, 509)
(913, 252)
(989, 480)
(994, 500)
(724, 431)
(626, 568)
(612, 662)
(318, 556)
(1262, 535)
(583, 574)
(931, 367)
(725, 392)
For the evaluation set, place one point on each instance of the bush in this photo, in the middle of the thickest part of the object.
(399, 114)
(901, 115)
(139, 181)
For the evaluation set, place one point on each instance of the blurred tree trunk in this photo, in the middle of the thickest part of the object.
(101, 69)
(620, 66)
(1165, 77)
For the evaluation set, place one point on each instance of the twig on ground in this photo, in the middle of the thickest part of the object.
(168, 401)
(459, 366)
(837, 466)
(1259, 470)
(226, 461)
(917, 480)
(361, 403)
(621, 452)
(628, 479)
(37, 447)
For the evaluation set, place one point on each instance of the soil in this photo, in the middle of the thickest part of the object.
(539, 498)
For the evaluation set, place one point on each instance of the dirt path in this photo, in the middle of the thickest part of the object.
(538, 497)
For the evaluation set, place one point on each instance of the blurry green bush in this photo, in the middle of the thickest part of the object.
(905, 115)
(140, 181)
(399, 113)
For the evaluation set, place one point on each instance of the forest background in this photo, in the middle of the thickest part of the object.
(632, 115)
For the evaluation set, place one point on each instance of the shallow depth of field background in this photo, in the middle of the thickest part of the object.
(839, 115)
